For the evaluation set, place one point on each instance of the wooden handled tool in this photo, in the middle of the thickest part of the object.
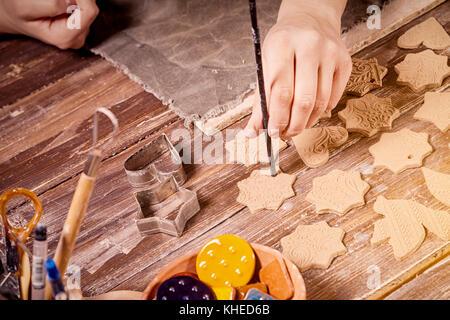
(80, 200)
(262, 91)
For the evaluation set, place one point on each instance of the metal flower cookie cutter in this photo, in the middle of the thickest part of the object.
(156, 172)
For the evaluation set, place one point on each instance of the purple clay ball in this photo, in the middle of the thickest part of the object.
(184, 288)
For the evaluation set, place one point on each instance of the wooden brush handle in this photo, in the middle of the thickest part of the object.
(72, 225)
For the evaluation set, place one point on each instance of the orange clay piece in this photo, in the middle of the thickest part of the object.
(276, 277)
(242, 291)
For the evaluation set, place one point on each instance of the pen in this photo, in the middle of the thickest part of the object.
(55, 280)
(39, 257)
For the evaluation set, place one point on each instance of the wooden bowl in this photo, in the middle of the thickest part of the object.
(264, 255)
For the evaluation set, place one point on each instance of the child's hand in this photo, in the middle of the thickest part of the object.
(306, 67)
(46, 20)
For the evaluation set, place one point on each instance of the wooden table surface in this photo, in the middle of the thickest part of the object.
(47, 99)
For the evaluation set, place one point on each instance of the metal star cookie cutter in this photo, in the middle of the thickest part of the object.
(164, 206)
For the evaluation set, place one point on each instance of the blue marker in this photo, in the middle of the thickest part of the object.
(55, 280)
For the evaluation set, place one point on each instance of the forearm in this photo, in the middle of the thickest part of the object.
(331, 10)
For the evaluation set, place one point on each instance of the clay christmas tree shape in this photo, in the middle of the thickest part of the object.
(369, 115)
(312, 144)
(250, 151)
(401, 150)
(438, 184)
(436, 109)
(262, 191)
(338, 192)
(422, 70)
(366, 75)
(313, 246)
(430, 33)
(403, 225)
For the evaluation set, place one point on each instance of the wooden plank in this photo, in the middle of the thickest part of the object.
(26, 65)
(59, 125)
(433, 284)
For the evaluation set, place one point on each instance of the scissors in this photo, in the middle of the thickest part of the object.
(18, 256)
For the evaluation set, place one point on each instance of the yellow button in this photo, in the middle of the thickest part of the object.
(226, 260)
(224, 293)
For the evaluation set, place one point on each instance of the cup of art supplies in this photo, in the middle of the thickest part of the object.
(228, 268)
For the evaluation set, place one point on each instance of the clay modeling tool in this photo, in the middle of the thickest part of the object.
(18, 256)
(39, 256)
(81, 197)
(184, 288)
(164, 205)
(262, 91)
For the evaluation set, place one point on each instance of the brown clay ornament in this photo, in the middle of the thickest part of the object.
(313, 144)
(403, 225)
(262, 191)
(366, 76)
(338, 192)
(430, 33)
(438, 184)
(369, 115)
(436, 109)
(276, 276)
(401, 150)
(423, 70)
(313, 246)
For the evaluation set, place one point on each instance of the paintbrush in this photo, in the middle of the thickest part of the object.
(262, 91)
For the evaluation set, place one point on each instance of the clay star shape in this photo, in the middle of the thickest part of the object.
(338, 192)
(401, 150)
(430, 33)
(422, 70)
(369, 115)
(366, 75)
(262, 191)
(436, 109)
(312, 144)
(403, 225)
(438, 184)
(313, 246)
(250, 151)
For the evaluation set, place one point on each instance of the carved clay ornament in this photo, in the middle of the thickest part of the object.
(338, 192)
(366, 75)
(313, 246)
(403, 225)
(436, 109)
(312, 144)
(262, 191)
(430, 33)
(438, 184)
(401, 150)
(424, 70)
(369, 115)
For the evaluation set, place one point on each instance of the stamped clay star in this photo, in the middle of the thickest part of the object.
(313, 246)
(369, 115)
(436, 109)
(366, 75)
(422, 70)
(262, 191)
(338, 192)
(401, 150)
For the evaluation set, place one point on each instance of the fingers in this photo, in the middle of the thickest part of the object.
(280, 75)
(66, 35)
(324, 85)
(340, 79)
(31, 9)
(255, 122)
(306, 77)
